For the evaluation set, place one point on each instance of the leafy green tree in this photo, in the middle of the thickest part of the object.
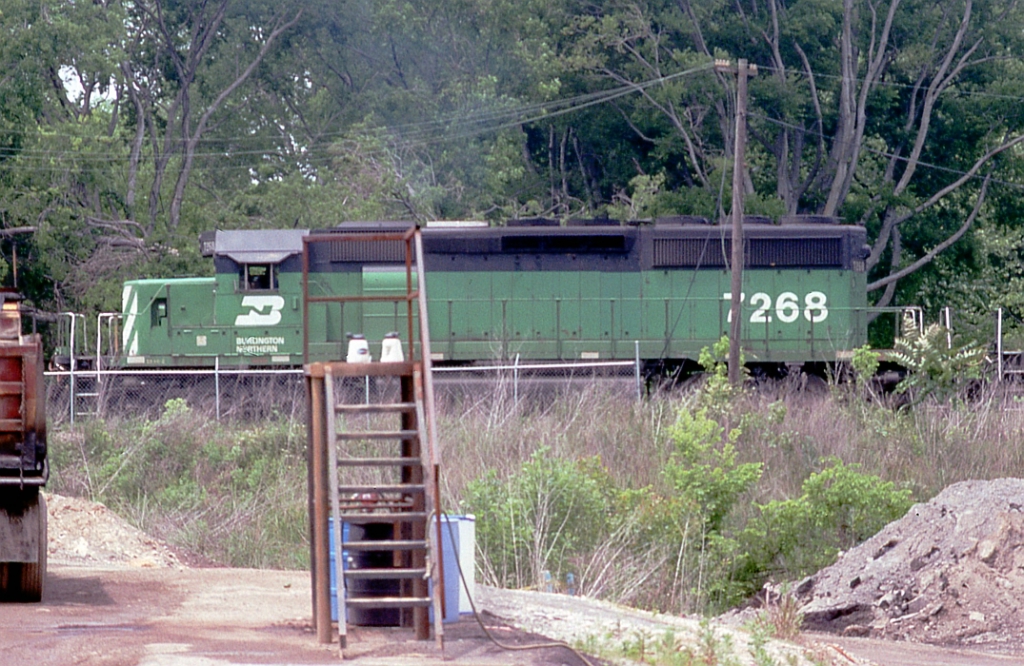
(878, 114)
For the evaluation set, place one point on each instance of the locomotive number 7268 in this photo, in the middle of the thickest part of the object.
(785, 308)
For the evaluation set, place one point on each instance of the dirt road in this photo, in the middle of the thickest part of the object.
(162, 616)
(177, 616)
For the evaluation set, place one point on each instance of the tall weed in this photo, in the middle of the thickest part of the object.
(236, 496)
(687, 501)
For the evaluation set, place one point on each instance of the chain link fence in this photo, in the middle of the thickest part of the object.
(253, 395)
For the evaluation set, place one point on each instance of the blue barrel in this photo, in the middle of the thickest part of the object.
(359, 589)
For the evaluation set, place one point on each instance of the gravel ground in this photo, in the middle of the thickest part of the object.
(605, 625)
(87, 533)
(951, 573)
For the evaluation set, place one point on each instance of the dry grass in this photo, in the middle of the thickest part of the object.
(247, 506)
(793, 433)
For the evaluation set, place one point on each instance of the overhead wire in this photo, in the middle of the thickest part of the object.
(439, 130)
(546, 109)
(885, 153)
(884, 83)
(427, 132)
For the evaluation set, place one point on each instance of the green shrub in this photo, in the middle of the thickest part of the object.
(937, 362)
(703, 470)
(717, 394)
(542, 518)
(839, 508)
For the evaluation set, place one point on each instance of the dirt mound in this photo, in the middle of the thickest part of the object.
(84, 532)
(949, 572)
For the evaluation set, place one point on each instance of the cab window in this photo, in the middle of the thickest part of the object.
(259, 277)
(158, 311)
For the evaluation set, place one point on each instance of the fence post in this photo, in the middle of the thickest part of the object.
(71, 367)
(947, 314)
(216, 384)
(999, 343)
(639, 389)
(515, 381)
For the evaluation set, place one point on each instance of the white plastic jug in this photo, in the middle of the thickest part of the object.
(358, 349)
(391, 349)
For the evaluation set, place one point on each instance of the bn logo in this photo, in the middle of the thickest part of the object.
(263, 311)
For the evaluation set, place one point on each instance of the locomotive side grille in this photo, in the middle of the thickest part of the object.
(817, 252)
(761, 252)
(689, 252)
(570, 243)
(367, 251)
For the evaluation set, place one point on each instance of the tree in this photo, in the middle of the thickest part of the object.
(861, 100)
(185, 62)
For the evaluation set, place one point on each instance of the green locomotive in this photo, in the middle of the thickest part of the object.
(532, 290)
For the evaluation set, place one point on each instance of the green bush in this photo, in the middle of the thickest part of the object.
(839, 507)
(703, 469)
(703, 484)
(541, 518)
(937, 362)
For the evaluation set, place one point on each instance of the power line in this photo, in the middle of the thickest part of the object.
(438, 131)
(423, 133)
(887, 154)
(948, 90)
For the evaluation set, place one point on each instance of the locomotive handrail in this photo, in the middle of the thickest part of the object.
(412, 296)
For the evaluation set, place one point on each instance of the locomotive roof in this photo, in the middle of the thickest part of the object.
(265, 246)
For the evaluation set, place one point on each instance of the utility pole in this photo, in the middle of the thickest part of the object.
(742, 71)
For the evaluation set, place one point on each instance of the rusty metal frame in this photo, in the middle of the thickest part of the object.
(419, 370)
(409, 297)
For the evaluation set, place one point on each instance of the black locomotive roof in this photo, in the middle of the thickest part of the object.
(800, 242)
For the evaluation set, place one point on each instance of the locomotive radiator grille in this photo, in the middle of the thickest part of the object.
(818, 252)
(761, 253)
(367, 251)
(690, 252)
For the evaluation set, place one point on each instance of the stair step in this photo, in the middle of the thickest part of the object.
(384, 545)
(351, 506)
(388, 602)
(392, 517)
(375, 369)
(404, 488)
(402, 407)
(378, 434)
(380, 462)
(384, 574)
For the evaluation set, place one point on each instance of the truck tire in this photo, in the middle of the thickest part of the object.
(33, 573)
(23, 581)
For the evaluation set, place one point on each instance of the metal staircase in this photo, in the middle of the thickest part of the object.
(374, 469)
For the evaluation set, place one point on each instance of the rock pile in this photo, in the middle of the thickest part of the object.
(949, 572)
(87, 533)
